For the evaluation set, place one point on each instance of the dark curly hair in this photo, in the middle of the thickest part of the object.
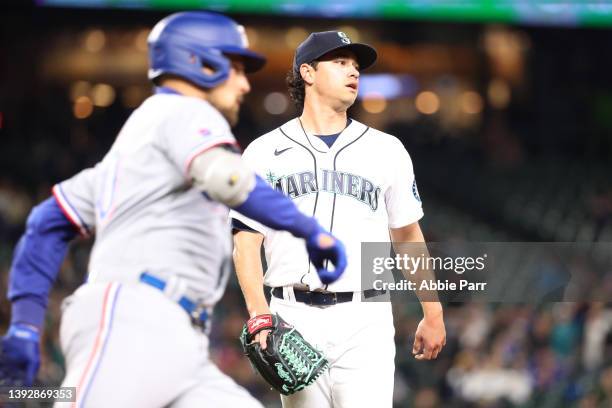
(297, 90)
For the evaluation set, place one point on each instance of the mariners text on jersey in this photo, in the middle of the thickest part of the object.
(331, 181)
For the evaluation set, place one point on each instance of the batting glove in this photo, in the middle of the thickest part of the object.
(19, 356)
(322, 246)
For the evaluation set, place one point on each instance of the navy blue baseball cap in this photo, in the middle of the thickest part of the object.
(319, 44)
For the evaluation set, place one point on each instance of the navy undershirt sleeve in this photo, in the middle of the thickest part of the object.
(238, 225)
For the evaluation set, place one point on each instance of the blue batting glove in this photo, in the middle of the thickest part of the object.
(19, 356)
(322, 246)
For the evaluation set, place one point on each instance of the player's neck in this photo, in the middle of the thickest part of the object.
(184, 88)
(320, 119)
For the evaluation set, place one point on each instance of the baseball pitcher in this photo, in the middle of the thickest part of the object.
(358, 182)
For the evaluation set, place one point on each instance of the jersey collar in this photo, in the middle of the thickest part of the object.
(294, 128)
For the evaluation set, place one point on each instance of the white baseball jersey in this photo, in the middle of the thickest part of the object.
(140, 202)
(357, 189)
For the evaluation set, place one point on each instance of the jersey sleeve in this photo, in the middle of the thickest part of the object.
(402, 197)
(76, 199)
(243, 223)
(240, 222)
(194, 128)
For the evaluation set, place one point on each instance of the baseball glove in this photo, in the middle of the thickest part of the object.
(289, 363)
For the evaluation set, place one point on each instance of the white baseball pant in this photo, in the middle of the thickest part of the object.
(128, 345)
(358, 340)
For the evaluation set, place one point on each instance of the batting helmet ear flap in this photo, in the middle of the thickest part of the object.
(184, 62)
(218, 66)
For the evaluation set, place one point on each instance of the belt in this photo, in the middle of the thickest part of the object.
(317, 298)
(197, 311)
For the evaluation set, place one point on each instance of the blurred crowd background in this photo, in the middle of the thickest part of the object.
(509, 125)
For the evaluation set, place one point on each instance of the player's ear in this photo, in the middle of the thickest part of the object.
(306, 71)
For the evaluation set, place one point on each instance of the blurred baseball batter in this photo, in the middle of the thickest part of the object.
(134, 335)
(359, 183)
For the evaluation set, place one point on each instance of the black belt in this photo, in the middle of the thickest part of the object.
(317, 298)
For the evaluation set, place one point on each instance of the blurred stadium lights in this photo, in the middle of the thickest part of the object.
(115, 56)
(389, 86)
(103, 95)
(471, 102)
(123, 58)
(400, 73)
(505, 49)
(82, 108)
(498, 93)
(276, 103)
(79, 88)
(427, 102)
(502, 39)
(374, 103)
(94, 40)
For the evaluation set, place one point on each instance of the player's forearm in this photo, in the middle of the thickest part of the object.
(255, 300)
(428, 297)
(36, 262)
(252, 290)
(409, 241)
(247, 260)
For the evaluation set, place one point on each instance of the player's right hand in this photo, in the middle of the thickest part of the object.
(321, 247)
(19, 356)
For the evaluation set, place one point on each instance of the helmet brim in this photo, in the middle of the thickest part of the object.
(253, 61)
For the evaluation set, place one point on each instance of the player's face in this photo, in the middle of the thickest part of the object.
(228, 96)
(336, 78)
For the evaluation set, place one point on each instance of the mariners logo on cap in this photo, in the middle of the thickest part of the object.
(344, 38)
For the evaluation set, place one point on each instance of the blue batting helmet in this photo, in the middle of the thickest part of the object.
(183, 43)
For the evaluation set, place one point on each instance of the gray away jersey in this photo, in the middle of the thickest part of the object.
(140, 203)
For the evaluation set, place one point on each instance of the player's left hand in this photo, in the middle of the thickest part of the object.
(430, 337)
(19, 356)
(323, 246)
